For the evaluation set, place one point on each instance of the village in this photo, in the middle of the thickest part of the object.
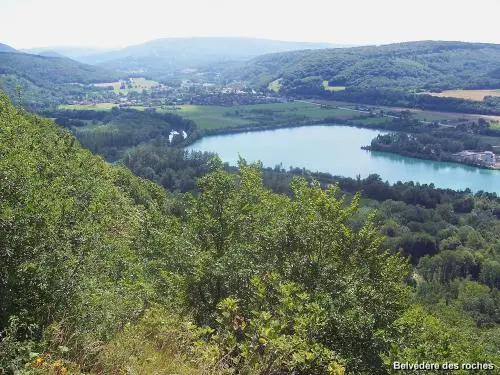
(143, 92)
(479, 158)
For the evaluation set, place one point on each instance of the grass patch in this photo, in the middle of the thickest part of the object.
(274, 86)
(114, 85)
(132, 84)
(216, 117)
(143, 83)
(159, 343)
(208, 116)
(373, 121)
(327, 87)
(495, 125)
(432, 116)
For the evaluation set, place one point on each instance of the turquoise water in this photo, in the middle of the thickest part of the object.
(336, 149)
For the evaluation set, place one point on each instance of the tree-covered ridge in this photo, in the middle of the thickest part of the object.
(103, 272)
(425, 65)
(41, 82)
(111, 134)
(161, 58)
(42, 70)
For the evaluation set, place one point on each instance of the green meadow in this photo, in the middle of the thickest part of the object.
(327, 87)
(137, 84)
(215, 117)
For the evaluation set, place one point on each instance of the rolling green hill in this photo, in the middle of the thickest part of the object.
(162, 57)
(42, 70)
(46, 80)
(425, 65)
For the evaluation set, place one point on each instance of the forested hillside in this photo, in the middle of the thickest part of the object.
(43, 70)
(425, 65)
(104, 272)
(43, 81)
(162, 57)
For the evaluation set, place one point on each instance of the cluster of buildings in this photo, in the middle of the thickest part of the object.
(486, 158)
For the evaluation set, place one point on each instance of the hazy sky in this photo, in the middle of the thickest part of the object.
(118, 23)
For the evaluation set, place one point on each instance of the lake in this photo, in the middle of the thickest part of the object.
(336, 149)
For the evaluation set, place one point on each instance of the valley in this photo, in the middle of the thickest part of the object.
(233, 205)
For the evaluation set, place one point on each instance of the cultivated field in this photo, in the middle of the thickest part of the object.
(90, 107)
(478, 95)
(136, 84)
(114, 85)
(419, 114)
(212, 117)
(327, 87)
(143, 83)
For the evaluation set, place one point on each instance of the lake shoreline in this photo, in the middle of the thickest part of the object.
(200, 134)
(337, 149)
(347, 123)
(423, 157)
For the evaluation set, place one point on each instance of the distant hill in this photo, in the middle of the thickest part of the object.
(6, 48)
(53, 70)
(161, 57)
(51, 54)
(425, 65)
(80, 54)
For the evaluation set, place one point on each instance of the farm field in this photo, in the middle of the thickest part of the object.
(114, 85)
(423, 115)
(132, 84)
(327, 87)
(208, 117)
(214, 117)
(373, 121)
(478, 95)
(441, 116)
(143, 83)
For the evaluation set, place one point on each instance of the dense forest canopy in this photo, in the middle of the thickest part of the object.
(425, 65)
(46, 81)
(231, 278)
(55, 70)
